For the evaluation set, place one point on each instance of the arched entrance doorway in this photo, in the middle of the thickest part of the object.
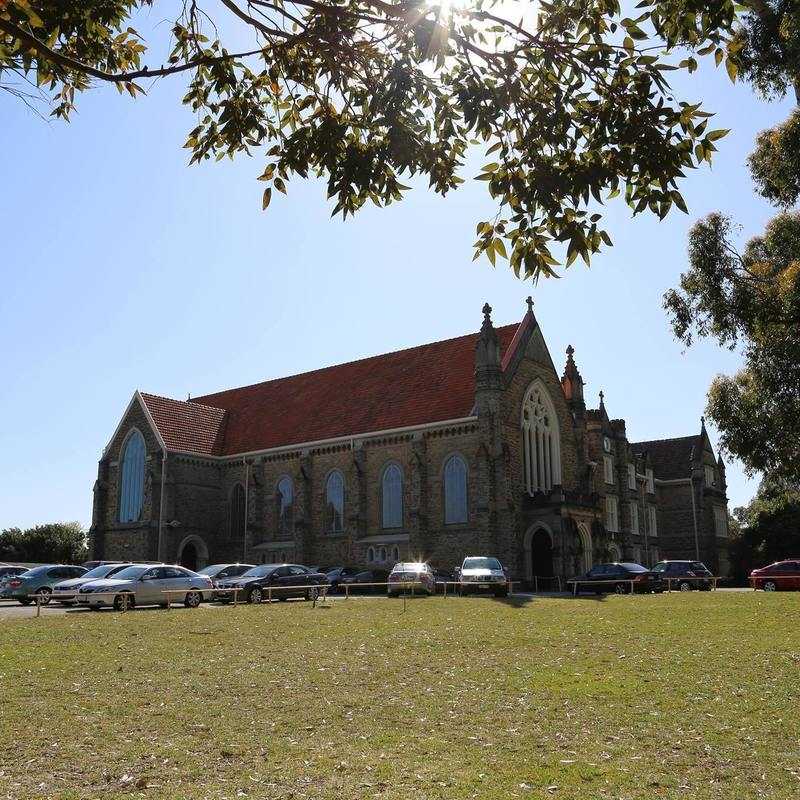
(541, 554)
(538, 545)
(193, 553)
(189, 556)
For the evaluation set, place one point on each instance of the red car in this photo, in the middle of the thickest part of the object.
(780, 576)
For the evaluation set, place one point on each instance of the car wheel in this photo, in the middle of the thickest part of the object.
(685, 586)
(192, 599)
(122, 601)
(312, 594)
(255, 595)
(44, 595)
(621, 588)
(770, 586)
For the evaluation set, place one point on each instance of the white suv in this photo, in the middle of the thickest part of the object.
(479, 573)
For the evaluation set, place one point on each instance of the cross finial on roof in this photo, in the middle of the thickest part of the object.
(601, 398)
(570, 351)
(703, 422)
(188, 396)
(529, 301)
(487, 310)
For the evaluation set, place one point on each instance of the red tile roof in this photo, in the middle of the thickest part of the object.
(187, 426)
(430, 383)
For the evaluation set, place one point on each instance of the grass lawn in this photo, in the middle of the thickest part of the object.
(690, 696)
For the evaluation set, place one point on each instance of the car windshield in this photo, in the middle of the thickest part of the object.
(102, 571)
(660, 567)
(257, 572)
(29, 573)
(481, 563)
(634, 567)
(212, 569)
(131, 572)
(414, 566)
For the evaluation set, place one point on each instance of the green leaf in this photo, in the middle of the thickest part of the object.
(733, 70)
(267, 197)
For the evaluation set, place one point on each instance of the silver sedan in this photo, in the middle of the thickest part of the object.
(145, 584)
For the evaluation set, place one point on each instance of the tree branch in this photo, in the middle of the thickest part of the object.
(43, 51)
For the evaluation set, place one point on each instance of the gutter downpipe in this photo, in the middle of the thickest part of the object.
(694, 521)
(161, 503)
(246, 508)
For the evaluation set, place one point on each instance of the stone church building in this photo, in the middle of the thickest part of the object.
(470, 446)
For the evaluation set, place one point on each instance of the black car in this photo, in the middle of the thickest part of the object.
(280, 581)
(219, 572)
(616, 577)
(342, 575)
(684, 575)
(353, 577)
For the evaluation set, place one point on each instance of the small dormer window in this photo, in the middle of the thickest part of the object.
(710, 478)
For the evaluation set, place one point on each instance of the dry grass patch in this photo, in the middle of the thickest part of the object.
(690, 696)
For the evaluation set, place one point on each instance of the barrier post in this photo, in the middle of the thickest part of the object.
(269, 593)
(169, 599)
(715, 583)
(38, 604)
(236, 596)
(347, 591)
(536, 584)
(632, 587)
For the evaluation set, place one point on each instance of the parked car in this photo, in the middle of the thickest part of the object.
(39, 581)
(7, 572)
(282, 581)
(684, 575)
(144, 585)
(780, 576)
(483, 573)
(219, 572)
(411, 576)
(605, 575)
(337, 575)
(64, 591)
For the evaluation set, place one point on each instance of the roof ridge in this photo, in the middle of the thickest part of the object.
(183, 402)
(668, 439)
(348, 363)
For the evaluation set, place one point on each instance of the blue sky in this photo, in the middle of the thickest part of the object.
(122, 268)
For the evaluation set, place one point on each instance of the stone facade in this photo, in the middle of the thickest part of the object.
(188, 509)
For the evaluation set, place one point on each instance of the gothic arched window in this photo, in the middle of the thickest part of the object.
(131, 493)
(237, 511)
(285, 504)
(455, 490)
(392, 497)
(334, 502)
(541, 450)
